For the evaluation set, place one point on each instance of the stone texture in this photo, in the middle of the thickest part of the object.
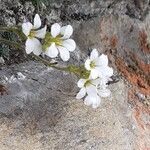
(41, 112)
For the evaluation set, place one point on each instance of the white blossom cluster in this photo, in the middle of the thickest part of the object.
(58, 42)
(95, 87)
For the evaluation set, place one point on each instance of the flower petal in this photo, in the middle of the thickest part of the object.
(66, 31)
(69, 44)
(94, 54)
(52, 51)
(109, 71)
(88, 100)
(104, 92)
(81, 83)
(105, 71)
(94, 74)
(33, 45)
(103, 83)
(91, 90)
(41, 33)
(87, 64)
(96, 102)
(64, 53)
(102, 60)
(55, 29)
(37, 21)
(26, 28)
(92, 100)
(96, 81)
(81, 93)
(38, 51)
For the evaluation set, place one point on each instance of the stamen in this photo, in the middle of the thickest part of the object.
(87, 83)
(92, 64)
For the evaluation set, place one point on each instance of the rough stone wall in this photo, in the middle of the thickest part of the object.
(41, 113)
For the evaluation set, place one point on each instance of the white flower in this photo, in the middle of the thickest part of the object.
(93, 89)
(33, 44)
(88, 89)
(61, 42)
(98, 65)
(88, 86)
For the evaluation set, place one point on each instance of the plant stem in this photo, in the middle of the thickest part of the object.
(47, 63)
(78, 71)
(70, 69)
(14, 30)
(11, 43)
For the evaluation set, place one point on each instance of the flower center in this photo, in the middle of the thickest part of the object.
(92, 64)
(49, 40)
(87, 83)
(57, 40)
(32, 34)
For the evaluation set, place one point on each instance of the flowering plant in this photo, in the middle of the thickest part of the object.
(93, 76)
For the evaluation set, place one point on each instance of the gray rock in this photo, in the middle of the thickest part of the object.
(40, 112)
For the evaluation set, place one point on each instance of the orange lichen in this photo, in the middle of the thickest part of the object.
(141, 115)
(145, 47)
(113, 42)
(135, 78)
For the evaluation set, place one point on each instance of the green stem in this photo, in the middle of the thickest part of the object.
(78, 71)
(17, 31)
(11, 43)
(70, 68)
(47, 63)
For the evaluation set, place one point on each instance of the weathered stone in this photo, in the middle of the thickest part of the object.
(40, 112)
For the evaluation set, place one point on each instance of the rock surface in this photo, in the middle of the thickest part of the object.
(40, 112)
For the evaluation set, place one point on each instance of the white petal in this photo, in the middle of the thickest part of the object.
(88, 100)
(69, 44)
(96, 102)
(109, 71)
(87, 64)
(66, 31)
(92, 100)
(91, 90)
(26, 28)
(81, 93)
(104, 92)
(94, 54)
(37, 21)
(105, 71)
(55, 29)
(103, 83)
(96, 81)
(38, 51)
(94, 74)
(64, 53)
(81, 83)
(33, 45)
(52, 51)
(41, 33)
(102, 60)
